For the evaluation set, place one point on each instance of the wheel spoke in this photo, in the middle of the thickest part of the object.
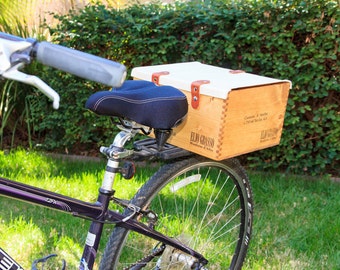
(203, 204)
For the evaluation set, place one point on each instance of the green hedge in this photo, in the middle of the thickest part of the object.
(295, 40)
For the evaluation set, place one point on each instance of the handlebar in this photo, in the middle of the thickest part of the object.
(82, 64)
(16, 51)
(10, 37)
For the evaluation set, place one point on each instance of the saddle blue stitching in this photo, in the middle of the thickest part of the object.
(132, 101)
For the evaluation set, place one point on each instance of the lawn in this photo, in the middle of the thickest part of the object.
(296, 221)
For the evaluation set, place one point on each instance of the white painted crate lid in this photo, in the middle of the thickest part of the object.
(222, 80)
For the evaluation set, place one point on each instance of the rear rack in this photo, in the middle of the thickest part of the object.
(147, 149)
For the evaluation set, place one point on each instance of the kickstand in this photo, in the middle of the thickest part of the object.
(44, 259)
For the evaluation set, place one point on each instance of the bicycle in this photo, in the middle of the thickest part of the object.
(165, 225)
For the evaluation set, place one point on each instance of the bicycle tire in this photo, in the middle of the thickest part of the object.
(227, 212)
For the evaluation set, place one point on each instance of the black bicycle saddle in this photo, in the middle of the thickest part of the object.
(158, 107)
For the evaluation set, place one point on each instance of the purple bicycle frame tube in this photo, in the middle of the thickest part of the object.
(48, 199)
(95, 211)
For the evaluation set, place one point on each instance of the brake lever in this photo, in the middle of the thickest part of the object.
(7, 48)
(14, 74)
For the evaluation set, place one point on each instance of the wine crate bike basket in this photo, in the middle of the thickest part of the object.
(231, 112)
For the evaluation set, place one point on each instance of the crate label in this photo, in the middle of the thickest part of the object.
(202, 141)
(269, 134)
(255, 118)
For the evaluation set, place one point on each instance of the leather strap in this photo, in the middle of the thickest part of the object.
(155, 76)
(195, 92)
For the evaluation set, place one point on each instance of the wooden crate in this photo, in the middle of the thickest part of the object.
(230, 112)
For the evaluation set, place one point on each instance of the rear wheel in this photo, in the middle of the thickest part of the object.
(205, 204)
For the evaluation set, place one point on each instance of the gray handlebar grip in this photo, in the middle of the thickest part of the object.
(81, 64)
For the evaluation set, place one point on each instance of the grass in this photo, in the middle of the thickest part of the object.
(296, 221)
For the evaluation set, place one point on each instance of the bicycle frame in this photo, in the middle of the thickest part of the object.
(98, 212)
(15, 52)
